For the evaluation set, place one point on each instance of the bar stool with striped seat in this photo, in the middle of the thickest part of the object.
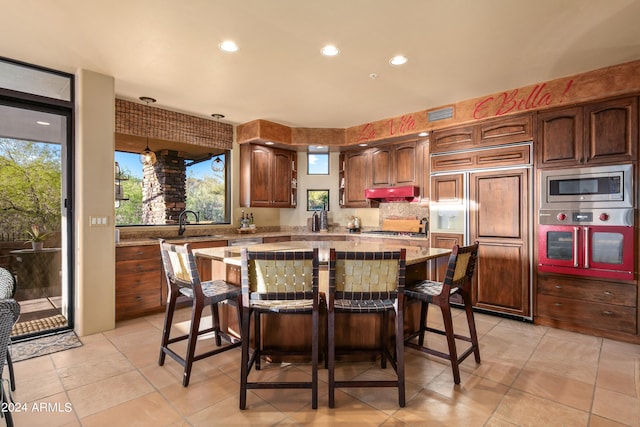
(462, 262)
(275, 283)
(371, 283)
(183, 280)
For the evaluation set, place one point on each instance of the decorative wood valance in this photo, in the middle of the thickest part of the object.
(141, 120)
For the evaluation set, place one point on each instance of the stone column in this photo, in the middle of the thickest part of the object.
(163, 188)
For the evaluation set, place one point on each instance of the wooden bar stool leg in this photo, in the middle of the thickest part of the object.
(244, 368)
(384, 325)
(257, 339)
(423, 321)
(198, 306)
(472, 326)
(215, 320)
(451, 341)
(166, 329)
(331, 350)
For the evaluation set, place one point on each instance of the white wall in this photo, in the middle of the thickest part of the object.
(94, 246)
(337, 215)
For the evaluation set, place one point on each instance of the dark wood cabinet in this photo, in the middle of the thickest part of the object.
(266, 176)
(138, 281)
(512, 155)
(499, 219)
(447, 188)
(489, 133)
(586, 305)
(395, 164)
(596, 133)
(356, 168)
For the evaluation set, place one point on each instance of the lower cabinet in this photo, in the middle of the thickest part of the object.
(589, 306)
(138, 281)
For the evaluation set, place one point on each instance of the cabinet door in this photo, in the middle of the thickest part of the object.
(506, 130)
(382, 166)
(281, 179)
(459, 138)
(447, 188)
(499, 220)
(356, 173)
(560, 137)
(611, 131)
(405, 164)
(261, 176)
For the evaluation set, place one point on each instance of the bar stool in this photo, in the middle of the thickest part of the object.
(371, 283)
(275, 283)
(183, 280)
(462, 262)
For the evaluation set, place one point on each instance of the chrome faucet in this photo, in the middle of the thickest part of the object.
(181, 225)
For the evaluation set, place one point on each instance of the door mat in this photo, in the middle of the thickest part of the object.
(37, 325)
(44, 345)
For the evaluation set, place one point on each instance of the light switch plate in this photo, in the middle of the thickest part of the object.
(98, 221)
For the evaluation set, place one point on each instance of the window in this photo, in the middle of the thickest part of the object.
(317, 200)
(206, 190)
(318, 164)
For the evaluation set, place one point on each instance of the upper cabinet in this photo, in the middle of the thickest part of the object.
(355, 170)
(394, 165)
(504, 130)
(266, 176)
(596, 133)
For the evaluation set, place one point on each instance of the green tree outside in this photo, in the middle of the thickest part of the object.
(30, 187)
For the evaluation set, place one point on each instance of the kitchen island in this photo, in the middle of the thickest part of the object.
(290, 333)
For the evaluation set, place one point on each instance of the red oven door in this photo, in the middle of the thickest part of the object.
(559, 248)
(593, 251)
(609, 251)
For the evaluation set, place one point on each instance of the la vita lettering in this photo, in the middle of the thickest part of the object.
(508, 102)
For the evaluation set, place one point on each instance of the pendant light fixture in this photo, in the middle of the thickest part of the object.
(147, 157)
(217, 165)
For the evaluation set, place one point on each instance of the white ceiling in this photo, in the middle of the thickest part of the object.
(457, 50)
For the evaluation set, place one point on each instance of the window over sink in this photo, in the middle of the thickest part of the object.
(206, 188)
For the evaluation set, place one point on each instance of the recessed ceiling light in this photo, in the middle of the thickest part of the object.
(217, 116)
(40, 122)
(373, 76)
(269, 143)
(423, 134)
(228, 46)
(398, 60)
(330, 50)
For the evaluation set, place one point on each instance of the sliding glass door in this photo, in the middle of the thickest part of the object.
(35, 195)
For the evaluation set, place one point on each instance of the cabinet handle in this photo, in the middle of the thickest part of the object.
(608, 313)
(558, 304)
(608, 293)
(558, 287)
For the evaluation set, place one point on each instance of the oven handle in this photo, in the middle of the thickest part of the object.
(575, 246)
(586, 247)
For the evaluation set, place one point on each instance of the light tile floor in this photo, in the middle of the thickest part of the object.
(529, 376)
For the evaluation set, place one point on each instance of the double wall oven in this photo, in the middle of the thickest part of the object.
(586, 222)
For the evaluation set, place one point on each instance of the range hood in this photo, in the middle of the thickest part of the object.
(407, 193)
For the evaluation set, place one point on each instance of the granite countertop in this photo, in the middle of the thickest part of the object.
(142, 241)
(231, 254)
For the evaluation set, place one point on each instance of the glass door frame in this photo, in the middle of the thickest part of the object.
(66, 109)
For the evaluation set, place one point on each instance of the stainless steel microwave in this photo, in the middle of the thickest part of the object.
(595, 187)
